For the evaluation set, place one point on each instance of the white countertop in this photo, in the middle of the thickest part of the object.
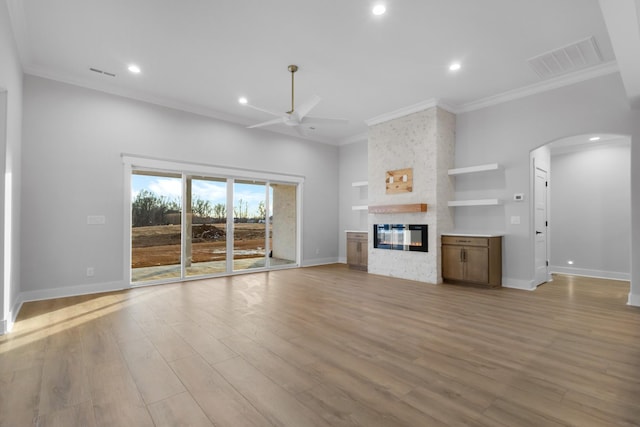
(474, 234)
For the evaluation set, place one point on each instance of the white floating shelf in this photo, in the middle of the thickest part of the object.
(472, 169)
(360, 184)
(481, 202)
(360, 208)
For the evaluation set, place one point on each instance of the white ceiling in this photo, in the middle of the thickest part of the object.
(202, 55)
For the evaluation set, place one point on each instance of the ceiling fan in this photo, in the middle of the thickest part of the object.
(295, 117)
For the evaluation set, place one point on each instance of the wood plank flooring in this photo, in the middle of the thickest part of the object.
(326, 346)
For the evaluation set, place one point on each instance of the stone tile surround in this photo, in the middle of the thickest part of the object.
(423, 141)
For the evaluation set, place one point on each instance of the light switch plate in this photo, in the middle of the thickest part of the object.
(515, 220)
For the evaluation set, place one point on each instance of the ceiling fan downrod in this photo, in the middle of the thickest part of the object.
(292, 69)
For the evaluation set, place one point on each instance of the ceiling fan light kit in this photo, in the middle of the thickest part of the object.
(295, 117)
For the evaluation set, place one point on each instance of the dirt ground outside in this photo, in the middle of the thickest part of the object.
(160, 245)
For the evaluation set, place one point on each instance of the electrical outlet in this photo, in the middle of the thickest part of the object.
(90, 272)
(317, 251)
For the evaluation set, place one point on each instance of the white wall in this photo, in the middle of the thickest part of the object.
(353, 168)
(590, 216)
(507, 132)
(10, 142)
(73, 140)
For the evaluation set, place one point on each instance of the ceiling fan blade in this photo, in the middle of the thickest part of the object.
(267, 123)
(273, 113)
(304, 109)
(310, 120)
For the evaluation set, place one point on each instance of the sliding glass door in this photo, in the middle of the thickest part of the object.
(249, 225)
(205, 242)
(188, 226)
(282, 222)
(156, 233)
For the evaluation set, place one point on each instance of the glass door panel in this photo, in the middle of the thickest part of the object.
(249, 225)
(156, 212)
(282, 224)
(206, 226)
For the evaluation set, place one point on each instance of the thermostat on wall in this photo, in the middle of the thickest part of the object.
(518, 197)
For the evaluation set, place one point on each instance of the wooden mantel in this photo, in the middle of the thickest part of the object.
(406, 208)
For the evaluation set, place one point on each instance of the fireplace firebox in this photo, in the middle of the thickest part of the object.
(402, 237)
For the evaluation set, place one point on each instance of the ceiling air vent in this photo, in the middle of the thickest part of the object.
(572, 57)
(106, 73)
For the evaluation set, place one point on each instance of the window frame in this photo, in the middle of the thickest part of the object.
(134, 162)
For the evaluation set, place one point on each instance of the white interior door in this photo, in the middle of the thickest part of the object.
(540, 225)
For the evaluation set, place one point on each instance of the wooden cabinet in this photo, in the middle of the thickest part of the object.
(357, 252)
(472, 259)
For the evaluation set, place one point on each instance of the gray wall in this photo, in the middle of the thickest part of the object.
(10, 140)
(73, 140)
(353, 168)
(505, 133)
(590, 211)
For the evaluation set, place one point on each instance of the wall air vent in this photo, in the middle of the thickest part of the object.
(106, 73)
(573, 57)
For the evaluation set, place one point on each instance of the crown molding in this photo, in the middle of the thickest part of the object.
(131, 94)
(547, 85)
(164, 102)
(401, 112)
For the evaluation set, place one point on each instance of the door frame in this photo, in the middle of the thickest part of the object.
(132, 162)
(540, 158)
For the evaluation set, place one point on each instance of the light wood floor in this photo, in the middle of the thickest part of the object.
(326, 346)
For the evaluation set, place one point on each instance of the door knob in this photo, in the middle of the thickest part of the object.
(538, 232)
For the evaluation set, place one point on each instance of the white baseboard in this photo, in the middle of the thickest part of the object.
(7, 324)
(525, 285)
(71, 291)
(319, 261)
(634, 299)
(342, 260)
(601, 274)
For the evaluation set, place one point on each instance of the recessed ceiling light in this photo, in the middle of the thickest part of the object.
(134, 69)
(379, 9)
(243, 100)
(455, 66)
(595, 138)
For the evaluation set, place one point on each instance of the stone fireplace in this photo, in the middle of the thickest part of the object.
(424, 142)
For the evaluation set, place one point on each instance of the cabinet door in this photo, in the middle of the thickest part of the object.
(476, 264)
(452, 266)
(353, 256)
(364, 253)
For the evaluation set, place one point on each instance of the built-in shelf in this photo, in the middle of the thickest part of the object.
(481, 202)
(473, 169)
(406, 208)
(363, 199)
